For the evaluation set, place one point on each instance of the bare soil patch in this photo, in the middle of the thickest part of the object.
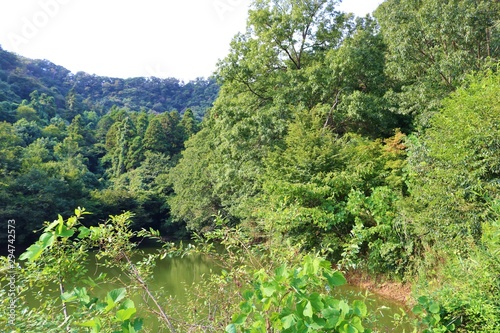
(393, 290)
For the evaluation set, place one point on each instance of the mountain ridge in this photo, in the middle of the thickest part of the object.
(20, 76)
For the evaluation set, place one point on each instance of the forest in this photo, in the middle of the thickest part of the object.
(371, 142)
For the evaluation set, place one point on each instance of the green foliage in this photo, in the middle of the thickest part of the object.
(432, 46)
(453, 182)
(455, 167)
(296, 299)
(431, 316)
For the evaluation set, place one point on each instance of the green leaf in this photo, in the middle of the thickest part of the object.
(360, 308)
(356, 322)
(336, 279)
(268, 290)
(52, 225)
(127, 304)
(246, 307)
(47, 239)
(32, 253)
(308, 311)
(417, 309)
(125, 314)
(137, 324)
(60, 222)
(231, 328)
(117, 295)
(288, 321)
(68, 296)
(239, 319)
(113, 297)
(316, 302)
(64, 232)
(84, 232)
(94, 323)
(423, 300)
(280, 272)
(434, 308)
(247, 294)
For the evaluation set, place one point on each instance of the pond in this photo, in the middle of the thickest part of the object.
(175, 275)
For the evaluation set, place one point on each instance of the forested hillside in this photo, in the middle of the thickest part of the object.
(375, 140)
(71, 140)
(67, 94)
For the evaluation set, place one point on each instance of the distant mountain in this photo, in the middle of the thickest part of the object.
(20, 77)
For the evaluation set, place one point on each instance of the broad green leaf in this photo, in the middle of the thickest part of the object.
(84, 232)
(246, 307)
(423, 300)
(280, 273)
(60, 222)
(116, 295)
(47, 239)
(247, 294)
(231, 328)
(52, 225)
(239, 319)
(308, 311)
(125, 314)
(88, 323)
(344, 307)
(434, 308)
(356, 322)
(137, 324)
(32, 253)
(94, 323)
(360, 308)
(68, 296)
(82, 295)
(113, 297)
(63, 231)
(318, 323)
(268, 290)
(336, 279)
(417, 309)
(127, 304)
(288, 321)
(316, 302)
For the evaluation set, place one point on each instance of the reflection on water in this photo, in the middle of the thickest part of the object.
(175, 275)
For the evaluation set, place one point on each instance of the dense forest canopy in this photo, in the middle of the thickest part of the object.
(374, 139)
(83, 140)
(72, 94)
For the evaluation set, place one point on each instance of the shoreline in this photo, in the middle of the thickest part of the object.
(385, 288)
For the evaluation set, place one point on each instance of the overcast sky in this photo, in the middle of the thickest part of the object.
(125, 38)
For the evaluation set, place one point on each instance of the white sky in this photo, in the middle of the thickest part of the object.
(125, 38)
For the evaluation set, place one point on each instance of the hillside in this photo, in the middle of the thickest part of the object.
(74, 93)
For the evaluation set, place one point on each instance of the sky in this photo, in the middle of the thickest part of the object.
(124, 38)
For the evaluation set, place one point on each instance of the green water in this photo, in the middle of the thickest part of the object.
(175, 275)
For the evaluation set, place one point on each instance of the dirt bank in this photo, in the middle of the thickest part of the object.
(383, 287)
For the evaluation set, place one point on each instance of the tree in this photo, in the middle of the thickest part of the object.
(454, 167)
(433, 44)
(453, 208)
(155, 138)
(195, 201)
(188, 124)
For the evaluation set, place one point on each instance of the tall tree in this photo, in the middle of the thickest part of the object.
(155, 137)
(433, 44)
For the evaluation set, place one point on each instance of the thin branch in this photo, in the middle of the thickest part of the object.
(65, 310)
(329, 115)
(144, 286)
